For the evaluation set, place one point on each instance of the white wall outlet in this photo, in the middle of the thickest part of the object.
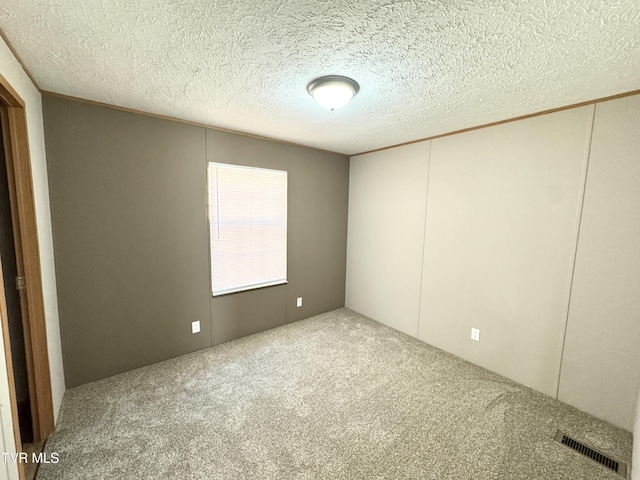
(299, 302)
(195, 327)
(475, 334)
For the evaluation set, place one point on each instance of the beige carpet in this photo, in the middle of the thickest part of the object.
(337, 396)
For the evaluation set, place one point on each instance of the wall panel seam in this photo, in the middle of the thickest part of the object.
(576, 240)
(347, 276)
(206, 178)
(424, 240)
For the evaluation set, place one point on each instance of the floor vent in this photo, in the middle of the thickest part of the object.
(618, 467)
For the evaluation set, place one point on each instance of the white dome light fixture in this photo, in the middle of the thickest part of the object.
(333, 91)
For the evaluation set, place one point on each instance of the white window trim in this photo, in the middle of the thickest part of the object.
(214, 218)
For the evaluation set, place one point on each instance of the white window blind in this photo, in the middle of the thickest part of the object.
(248, 227)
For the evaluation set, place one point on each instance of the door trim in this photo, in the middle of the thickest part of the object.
(16, 143)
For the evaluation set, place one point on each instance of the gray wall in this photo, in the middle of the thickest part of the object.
(318, 185)
(128, 200)
(503, 228)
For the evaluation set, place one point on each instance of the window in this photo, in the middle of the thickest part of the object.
(248, 227)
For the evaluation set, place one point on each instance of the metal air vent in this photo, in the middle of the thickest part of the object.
(618, 467)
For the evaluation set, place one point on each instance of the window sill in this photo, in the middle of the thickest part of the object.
(248, 287)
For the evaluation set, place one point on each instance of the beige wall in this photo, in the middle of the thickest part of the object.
(602, 347)
(502, 218)
(502, 232)
(387, 201)
(11, 70)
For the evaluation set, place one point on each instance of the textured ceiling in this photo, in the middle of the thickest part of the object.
(424, 67)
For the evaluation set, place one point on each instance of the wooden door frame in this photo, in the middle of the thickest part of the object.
(16, 147)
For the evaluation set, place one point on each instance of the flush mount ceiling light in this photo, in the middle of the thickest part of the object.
(333, 91)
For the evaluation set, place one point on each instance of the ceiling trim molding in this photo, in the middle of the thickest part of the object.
(140, 112)
(188, 122)
(284, 142)
(509, 120)
(15, 54)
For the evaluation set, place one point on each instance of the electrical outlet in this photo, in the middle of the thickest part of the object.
(475, 334)
(299, 302)
(195, 327)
